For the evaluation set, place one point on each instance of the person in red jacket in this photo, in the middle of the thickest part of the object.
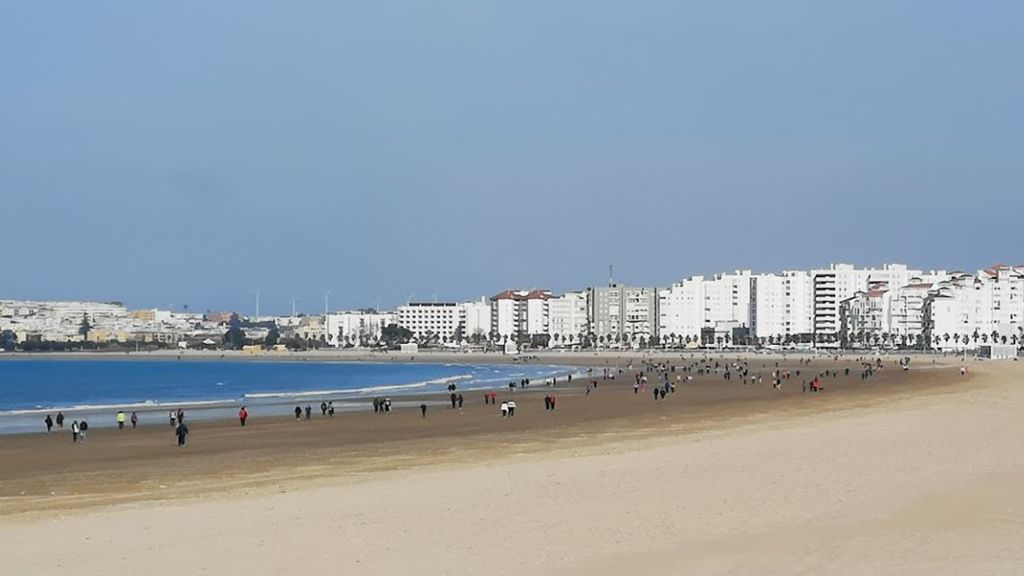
(243, 415)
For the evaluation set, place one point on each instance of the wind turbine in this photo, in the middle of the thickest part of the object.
(327, 294)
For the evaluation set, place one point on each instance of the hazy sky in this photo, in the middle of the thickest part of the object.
(191, 152)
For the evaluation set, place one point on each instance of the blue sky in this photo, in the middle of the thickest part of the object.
(191, 152)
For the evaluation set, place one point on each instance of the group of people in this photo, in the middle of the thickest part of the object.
(120, 418)
(381, 405)
(508, 409)
(177, 419)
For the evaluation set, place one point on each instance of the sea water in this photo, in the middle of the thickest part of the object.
(32, 388)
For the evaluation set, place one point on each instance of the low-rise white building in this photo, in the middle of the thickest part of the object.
(968, 311)
(443, 322)
(356, 328)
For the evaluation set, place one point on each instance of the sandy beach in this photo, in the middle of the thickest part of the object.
(906, 472)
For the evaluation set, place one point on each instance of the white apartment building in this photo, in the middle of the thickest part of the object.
(783, 305)
(567, 319)
(356, 328)
(519, 314)
(478, 319)
(623, 313)
(444, 320)
(968, 311)
(840, 282)
(722, 302)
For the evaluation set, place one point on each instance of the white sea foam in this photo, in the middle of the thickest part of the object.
(148, 404)
(358, 391)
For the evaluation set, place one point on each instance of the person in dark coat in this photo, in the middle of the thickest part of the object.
(181, 432)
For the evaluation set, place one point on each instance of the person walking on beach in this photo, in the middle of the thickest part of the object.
(60, 420)
(173, 416)
(135, 420)
(181, 432)
(504, 409)
(309, 411)
(454, 399)
(330, 408)
(298, 412)
(49, 423)
(83, 427)
(120, 420)
(461, 399)
(243, 415)
(75, 430)
(511, 408)
(323, 408)
(423, 409)
(181, 416)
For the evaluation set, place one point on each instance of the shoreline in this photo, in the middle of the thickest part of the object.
(126, 466)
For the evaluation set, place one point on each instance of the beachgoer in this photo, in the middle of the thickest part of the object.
(547, 402)
(309, 411)
(49, 423)
(330, 408)
(636, 387)
(120, 420)
(454, 400)
(173, 416)
(135, 420)
(423, 409)
(181, 432)
(504, 409)
(60, 420)
(75, 430)
(243, 415)
(323, 408)
(511, 408)
(298, 412)
(83, 427)
(181, 415)
(552, 402)
(387, 405)
(461, 400)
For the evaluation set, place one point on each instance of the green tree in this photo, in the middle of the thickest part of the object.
(272, 338)
(85, 327)
(393, 335)
(8, 340)
(234, 338)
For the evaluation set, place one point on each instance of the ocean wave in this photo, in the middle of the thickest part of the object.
(148, 404)
(357, 391)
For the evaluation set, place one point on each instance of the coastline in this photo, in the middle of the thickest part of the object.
(123, 461)
(915, 475)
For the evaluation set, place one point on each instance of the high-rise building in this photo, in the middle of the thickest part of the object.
(783, 306)
(567, 319)
(520, 315)
(623, 313)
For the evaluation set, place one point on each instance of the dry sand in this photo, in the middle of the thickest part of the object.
(915, 472)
